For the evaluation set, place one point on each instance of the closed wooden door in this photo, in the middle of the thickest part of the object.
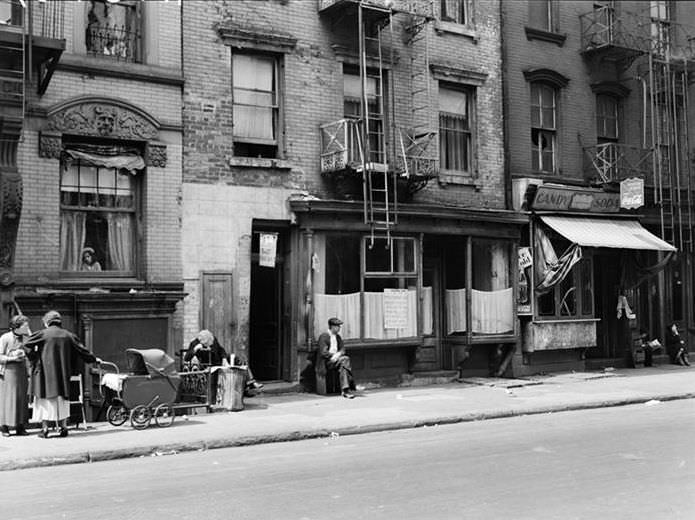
(216, 307)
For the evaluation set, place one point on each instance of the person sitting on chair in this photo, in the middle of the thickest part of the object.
(331, 350)
(205, 351)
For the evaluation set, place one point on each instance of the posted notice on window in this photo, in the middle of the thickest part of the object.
(395, 308)
(268, 243)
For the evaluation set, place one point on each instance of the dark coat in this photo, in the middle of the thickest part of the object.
(53, 353)
(324, 344)
(207, 357)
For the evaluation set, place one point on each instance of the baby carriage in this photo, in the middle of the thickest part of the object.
(149, 390)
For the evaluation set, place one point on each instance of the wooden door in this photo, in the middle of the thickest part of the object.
(216, 306)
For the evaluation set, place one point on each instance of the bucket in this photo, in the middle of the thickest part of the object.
(230, 388)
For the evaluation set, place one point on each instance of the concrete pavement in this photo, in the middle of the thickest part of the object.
(284, 417)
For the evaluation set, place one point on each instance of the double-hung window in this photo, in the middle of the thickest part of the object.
(456, 11)
(352, 95)
(256, 109)
(543, 127)
(543, 15)
(456, 123)
(607, 134)
(98, 209)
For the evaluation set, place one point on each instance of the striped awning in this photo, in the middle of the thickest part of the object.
(604, 232)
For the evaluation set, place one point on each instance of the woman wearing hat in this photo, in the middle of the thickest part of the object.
(89, 262)
(51, 352)
(14, 408)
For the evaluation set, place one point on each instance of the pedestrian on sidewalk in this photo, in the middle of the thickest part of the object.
(332, 351)
(676, 346)
(51, 352)
(14, 403)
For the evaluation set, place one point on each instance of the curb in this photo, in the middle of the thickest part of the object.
(316, 433)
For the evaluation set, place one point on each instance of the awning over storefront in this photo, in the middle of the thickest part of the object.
(613, 233)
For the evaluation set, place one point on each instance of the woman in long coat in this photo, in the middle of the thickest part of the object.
(51, 352)
(14, 407)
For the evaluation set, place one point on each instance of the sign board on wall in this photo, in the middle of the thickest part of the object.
(523, 297)
(632, 193)
(268, 243)
(395, 308)
(556, 198)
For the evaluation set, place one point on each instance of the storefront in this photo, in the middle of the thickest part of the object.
(436, 293)
(594, 277)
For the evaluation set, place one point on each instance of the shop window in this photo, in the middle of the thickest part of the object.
(543, 127)
(456, 123)
(371, 287)
(456, 11)
(352, 95)
(256, 109)
(455, 287)
(98, 204)
(492, 293)
(573, 297)
(543, 15)
(114, 29)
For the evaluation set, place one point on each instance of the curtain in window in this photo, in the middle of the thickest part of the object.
(126, 161)
(253, 97)
(374, 317)
(492, 311)
(344, 306)
(120, 242)
(72, 235)
(427, 311)
(455, 310)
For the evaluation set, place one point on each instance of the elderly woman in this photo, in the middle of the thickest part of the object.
(14, 408)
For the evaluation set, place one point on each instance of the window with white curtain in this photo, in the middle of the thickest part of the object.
(456, 124)
(98, 214)
(255, 105)
(370, 287)
(492, 293)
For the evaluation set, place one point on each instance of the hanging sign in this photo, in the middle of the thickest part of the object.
(632, 193)
(268, 243)
(395, 308)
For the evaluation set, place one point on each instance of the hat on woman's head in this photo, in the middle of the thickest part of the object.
(18, 321)
(88, 250)
(52, 317)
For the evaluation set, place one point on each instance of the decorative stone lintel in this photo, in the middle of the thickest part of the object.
(466, 76)
(156, 155)
(254, 38)
(50, 145)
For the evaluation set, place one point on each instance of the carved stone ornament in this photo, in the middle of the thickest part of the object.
(102, 118)
(157, 155)
(49, 145)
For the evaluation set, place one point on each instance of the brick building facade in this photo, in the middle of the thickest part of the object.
(279, 162)
(99, 160)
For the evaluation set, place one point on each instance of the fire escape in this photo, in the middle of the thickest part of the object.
(31, 43)
(661, 53)
(386, 152)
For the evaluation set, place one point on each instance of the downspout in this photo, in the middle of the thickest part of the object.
(505, 112)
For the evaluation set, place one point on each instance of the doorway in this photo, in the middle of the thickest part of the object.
(267, 320)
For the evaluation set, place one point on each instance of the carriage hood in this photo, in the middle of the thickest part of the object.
(151, 361)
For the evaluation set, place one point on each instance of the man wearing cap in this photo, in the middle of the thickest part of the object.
(51, 353)
(332, 351)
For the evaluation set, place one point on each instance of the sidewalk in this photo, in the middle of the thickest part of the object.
(284, 417)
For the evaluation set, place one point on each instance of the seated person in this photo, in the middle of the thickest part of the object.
(89, 261)
(331, 350)
(205, 351)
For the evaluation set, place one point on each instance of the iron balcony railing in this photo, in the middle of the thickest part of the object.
(117, 42)
(614, 162)
(603, 27)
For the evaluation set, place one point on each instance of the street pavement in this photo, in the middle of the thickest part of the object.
(271, 417)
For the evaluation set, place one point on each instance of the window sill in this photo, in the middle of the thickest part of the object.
(455, 28)
(104, 66)
(457, 178)
(545, 36)
(253, 162)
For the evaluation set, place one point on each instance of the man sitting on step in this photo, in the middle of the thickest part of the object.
(331, 350)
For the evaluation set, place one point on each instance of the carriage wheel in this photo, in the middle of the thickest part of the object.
(140, 417)
(117, 414)
(164, 415)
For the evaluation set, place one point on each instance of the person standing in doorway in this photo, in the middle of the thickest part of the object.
(332, 351)
(51, 352)
(14, 406)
